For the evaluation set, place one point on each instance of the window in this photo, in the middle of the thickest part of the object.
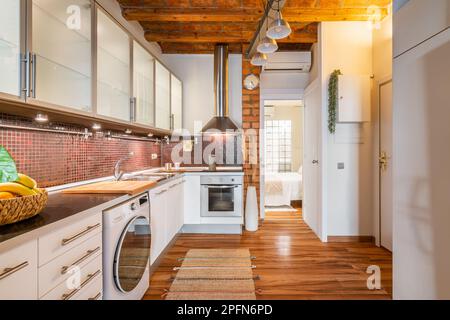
(278, 145)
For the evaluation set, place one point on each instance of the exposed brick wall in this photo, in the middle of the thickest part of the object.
(251, 123)
(57, 158)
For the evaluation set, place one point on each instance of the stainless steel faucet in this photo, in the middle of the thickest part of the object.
(118, 174)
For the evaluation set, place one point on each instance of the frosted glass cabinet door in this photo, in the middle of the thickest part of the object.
(61, 40)
(162, 97)
(113, 69)
(143, 85)
(177, 103)
(10, 47)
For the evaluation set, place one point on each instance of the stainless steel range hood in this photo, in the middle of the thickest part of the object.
(221, 122)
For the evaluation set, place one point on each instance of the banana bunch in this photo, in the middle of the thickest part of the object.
(22, 187)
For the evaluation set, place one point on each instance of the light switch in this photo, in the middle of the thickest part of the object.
(154, 156)
(341, 166)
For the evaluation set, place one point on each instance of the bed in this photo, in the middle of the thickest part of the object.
(283, 188)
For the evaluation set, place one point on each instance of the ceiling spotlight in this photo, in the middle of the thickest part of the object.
(128, 131)
(267, 45)
(150, 135)
(42, 118)
(280, 28)
(259, 59)
(96, 126)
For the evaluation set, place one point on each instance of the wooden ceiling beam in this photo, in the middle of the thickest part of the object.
(192, 15)
(319, 15)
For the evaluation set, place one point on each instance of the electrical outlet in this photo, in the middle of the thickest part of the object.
(154, 156)
(341, 166)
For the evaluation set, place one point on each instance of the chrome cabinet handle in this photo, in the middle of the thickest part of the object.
(67, 241)
(25, 64)
(133, 111)
(90, 277)
(89, 254)
(222, 187)
(33, 62)
(10, 271)
(160, 193)
(96, 297)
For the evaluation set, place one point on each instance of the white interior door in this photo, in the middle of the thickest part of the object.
(311, 163)
(386, 177)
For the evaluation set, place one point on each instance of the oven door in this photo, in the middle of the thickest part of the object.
(223, 201)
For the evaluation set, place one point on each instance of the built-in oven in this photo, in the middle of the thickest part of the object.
(222, 196)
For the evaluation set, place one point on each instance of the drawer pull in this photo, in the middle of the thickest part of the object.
(10, 271)
(90, 277)
(79, 235)
(89, 254)
(96, 297)
(162, 192)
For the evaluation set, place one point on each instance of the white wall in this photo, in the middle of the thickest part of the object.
(348, 196)
(197, 74)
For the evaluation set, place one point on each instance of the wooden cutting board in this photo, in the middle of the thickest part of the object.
(113, 187)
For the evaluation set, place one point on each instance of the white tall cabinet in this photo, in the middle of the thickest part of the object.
(162, 80)
(176, 102)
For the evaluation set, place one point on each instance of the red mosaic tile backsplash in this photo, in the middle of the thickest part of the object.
(54, 159)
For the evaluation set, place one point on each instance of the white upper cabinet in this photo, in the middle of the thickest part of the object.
(162, 80)
(113, 69)
(10, 26)
(61, 42)
(143, 85)
(177, 103)
(354, 98)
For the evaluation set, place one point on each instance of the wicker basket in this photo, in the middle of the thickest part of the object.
(19, 209)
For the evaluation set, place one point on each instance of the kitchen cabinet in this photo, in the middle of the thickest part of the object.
(10, 47)
(162, 99)
(167, 215)
(18, 273)
(176, 103)
(354, 98)
(143, 85)
(61, 47)
(158, 222)
(113, 69)
(192, 205)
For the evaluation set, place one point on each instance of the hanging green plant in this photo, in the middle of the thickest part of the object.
(333, 97)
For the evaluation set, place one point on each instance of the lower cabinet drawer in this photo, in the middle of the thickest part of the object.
(91, 292)
(77, 283)
(60, 269)
(64, 239)
(18, 273)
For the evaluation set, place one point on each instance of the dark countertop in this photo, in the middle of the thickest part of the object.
(60, 206)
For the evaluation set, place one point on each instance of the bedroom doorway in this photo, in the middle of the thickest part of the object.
(283, 159)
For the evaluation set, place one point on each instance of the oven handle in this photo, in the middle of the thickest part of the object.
(220, 187)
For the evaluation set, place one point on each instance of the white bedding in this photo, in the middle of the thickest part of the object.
(283, 188)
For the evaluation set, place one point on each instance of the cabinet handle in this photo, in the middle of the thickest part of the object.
(90, 253)
(172, 122)
(25, 64)
(10, 271)
(90, 277)
(33, 61)
(96, 297)
(67, 241)
(162, 192)
(133, 109)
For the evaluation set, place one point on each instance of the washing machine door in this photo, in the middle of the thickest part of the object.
(132, 254)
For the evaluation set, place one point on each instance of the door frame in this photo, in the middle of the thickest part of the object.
(379, 84)
(270, 94)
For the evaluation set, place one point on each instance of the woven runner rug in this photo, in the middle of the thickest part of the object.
(218, 274)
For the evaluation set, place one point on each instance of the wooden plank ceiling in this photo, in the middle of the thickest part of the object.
(195, 26)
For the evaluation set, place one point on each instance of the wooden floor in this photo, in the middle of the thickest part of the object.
(292, 262)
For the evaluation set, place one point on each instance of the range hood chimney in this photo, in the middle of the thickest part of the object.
(221, 122)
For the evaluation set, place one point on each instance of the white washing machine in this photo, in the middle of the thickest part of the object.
(126, 250)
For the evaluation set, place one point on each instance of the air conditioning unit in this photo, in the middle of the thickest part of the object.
(289, 62)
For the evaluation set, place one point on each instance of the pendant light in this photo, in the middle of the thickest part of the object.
(259, 59)
(267, 45)
(280, 28)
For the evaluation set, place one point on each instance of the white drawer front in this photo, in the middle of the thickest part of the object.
(18, 273)
(67, 238)
(93, 291)
(57, 271)
(88, 275)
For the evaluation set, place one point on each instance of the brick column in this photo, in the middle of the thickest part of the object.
(251, 126)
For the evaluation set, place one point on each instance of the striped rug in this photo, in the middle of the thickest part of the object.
(217, 274)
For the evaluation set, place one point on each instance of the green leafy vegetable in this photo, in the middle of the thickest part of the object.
(8, 170)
